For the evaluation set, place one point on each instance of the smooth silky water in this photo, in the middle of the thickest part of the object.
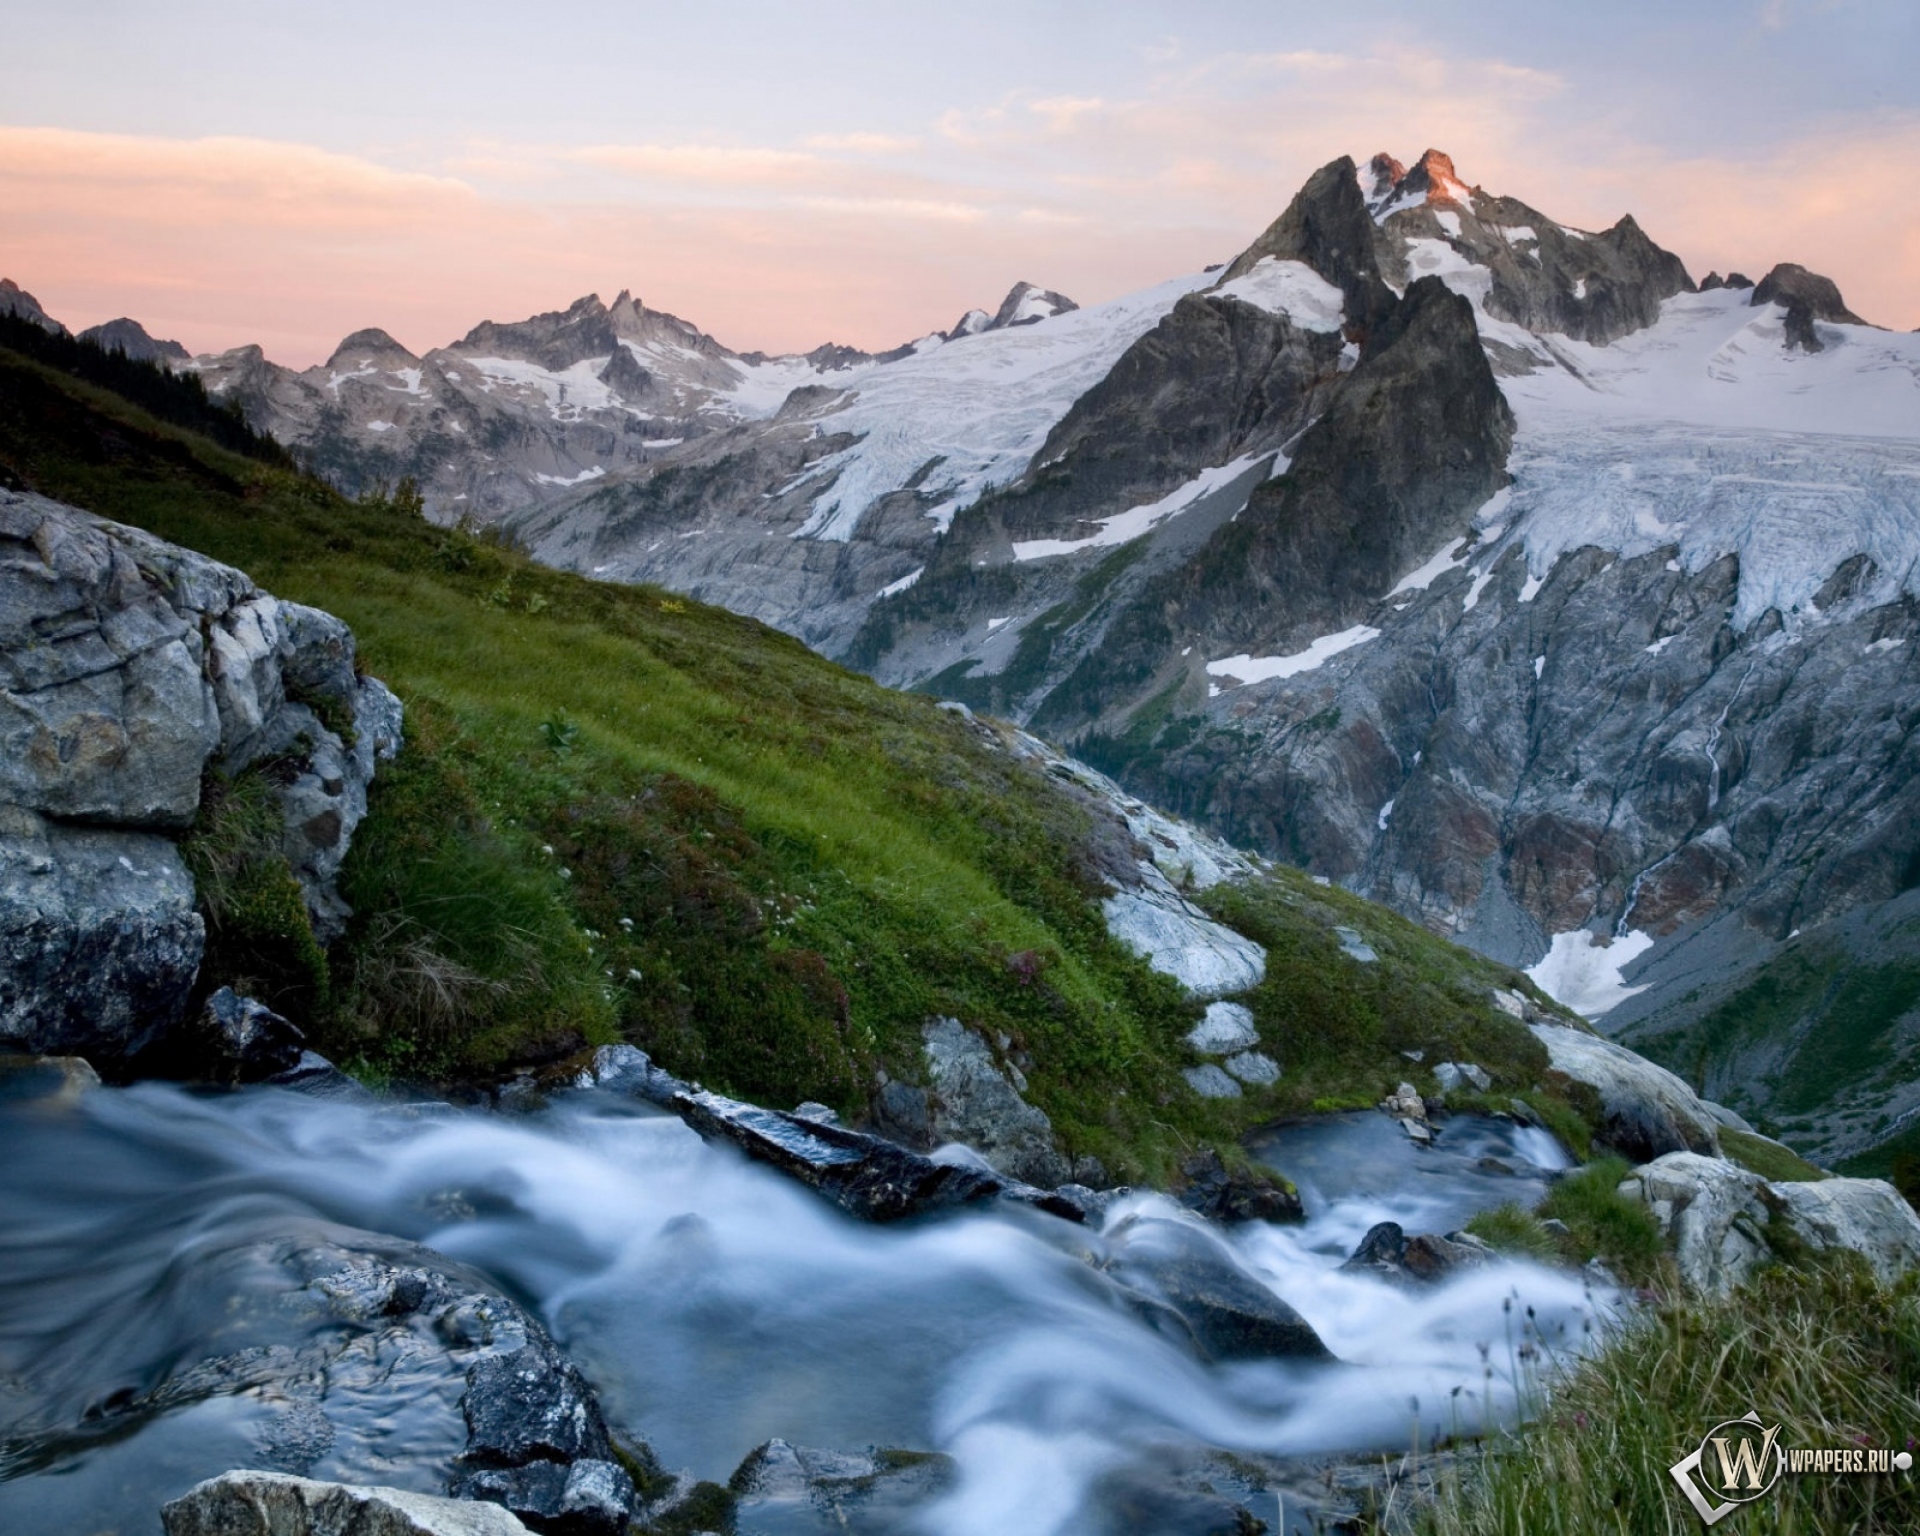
(712, 1302)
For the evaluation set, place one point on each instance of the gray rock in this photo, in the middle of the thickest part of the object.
(799, 1491)
(1210, 1082)
(1427, 1258)
(1454, 1075)
(1225, 1313)
(99, 939)
(975, 1101)
(274, 1504)
(1179, 940)
(1208, 1189)
(1226, 1028)
(864, 1175)
(1254, 1068)
(531, 1405)
(237, 1039)
(1864, 1216)
(128, 667)
(51, 1079)
(1355, 946)
(903, 1113)
(628, 1069)
(1648, 1110)
(1717, 1217)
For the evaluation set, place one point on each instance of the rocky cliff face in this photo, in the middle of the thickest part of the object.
(128, 669)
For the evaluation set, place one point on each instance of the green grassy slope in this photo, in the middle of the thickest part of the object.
(625, 815)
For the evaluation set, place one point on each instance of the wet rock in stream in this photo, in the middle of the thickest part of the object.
(1423, 1259)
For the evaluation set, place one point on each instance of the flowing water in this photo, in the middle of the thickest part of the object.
(713, 1303)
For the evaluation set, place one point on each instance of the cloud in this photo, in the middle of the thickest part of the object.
(863, 143)
(872, 237)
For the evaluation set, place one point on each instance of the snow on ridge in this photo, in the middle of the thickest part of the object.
(895, 588)
(1124, 527)
(985, 408)
(1259, 669)
(1290, 288)
(1705, 431)
(580, 479)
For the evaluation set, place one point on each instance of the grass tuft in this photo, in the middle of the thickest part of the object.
(1826, 1353)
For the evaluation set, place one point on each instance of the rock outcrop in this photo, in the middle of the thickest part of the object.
(129, 668)
(1724, 1222)
(1647, 1111)
(1426, 1258)
(1210, 1302)
(976, 1100)
(276, 1504)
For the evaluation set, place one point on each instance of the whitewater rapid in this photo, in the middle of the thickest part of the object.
(712, 1303)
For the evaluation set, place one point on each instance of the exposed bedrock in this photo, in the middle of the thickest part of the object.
(129, 669)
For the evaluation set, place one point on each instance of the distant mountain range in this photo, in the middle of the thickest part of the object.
(1491, 567)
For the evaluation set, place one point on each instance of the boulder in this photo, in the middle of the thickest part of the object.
(1197, 1290)
(1456, 1075)
(1423, 1259)
(1254, 1068)
(798, 1490)
(1179, 940)
(373, 1352)
(49, 1079)
(1207, 1188)
(977, 1101)
(1226, 1028)
(1647, 1110)
(1724, 1222)
(239, 1040)
(864, 1175)
(275, 1504)
(128, 668)
(1210, 1082)
(99, 939)
(1864, 1216)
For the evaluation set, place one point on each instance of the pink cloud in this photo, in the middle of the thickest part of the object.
(872, 238)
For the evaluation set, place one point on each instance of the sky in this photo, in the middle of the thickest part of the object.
(789, 172)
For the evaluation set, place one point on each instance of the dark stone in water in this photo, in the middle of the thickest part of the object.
(315, 1075)
(536, 1442)
(531, 1405)
(800, 1491)
(1209, 1189)
(1387, 1251)
(863, 1175)
(238, 1040)
(1224, 1312)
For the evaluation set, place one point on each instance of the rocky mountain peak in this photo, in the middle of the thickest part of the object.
(367, 345)
(1434, 177)
(1027, 304)
(15, 300)
(1327, 227)
(1791, 284)
(130, 338)
(971, 323)
(1382, 175)
(1388, 188)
